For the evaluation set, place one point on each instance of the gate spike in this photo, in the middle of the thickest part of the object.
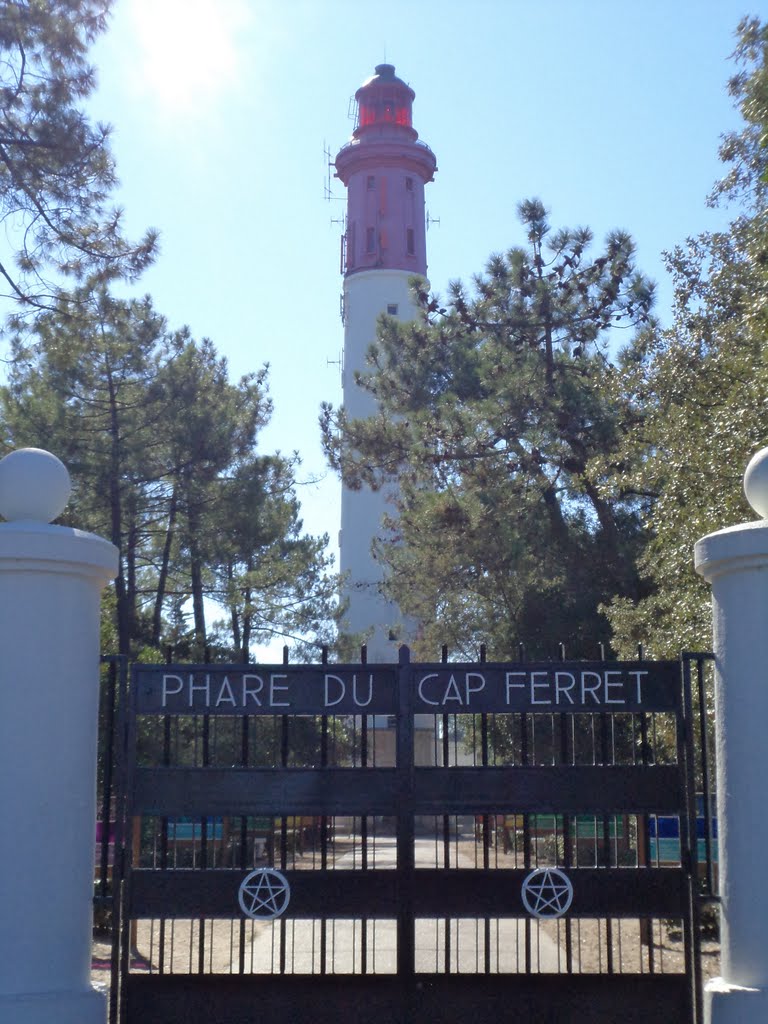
(285, 654)
(364, 654)
(444, 654)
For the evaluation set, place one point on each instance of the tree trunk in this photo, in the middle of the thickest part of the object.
(131, 546)
(247, 624)
(116, 524)
(162, 579)
(196, 577)
(233, 614)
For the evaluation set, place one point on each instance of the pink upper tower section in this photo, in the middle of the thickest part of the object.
(385, 169)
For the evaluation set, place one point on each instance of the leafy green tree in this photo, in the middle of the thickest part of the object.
(700, 389)
(56, 169)
(273, 579)
(162, 449)
(84, 383)
(491, 411)
(746, 150)
(209, 426)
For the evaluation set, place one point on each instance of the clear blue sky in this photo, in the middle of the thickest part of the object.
(608, 110)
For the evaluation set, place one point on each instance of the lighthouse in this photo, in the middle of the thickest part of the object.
(384, 167)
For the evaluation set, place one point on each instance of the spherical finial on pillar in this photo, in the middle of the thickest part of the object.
(756, 482)
(34, 486)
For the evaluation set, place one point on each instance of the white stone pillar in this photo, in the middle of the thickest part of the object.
(735, 562)
(51, 578)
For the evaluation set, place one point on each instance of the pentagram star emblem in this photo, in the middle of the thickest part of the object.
(547, 892)
(264, 894)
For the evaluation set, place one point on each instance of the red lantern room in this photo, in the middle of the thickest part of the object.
(383, 100)
(385, 168)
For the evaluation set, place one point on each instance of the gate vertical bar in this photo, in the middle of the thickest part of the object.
(324, 829)
(244, 757)
(604, 724)
(127, 851)
(706, 775)
(487, 834)
(121, 831)
(568, 830)
(406, 924)
(108, 894)
(363, 825)
(525, 759)
(644, 833)
(206, 761)
(243, 844)
(203, 847)
(108, 765)
(446, 858)
(687, 761)
(446, 831)
(163, 822)
(282, 857)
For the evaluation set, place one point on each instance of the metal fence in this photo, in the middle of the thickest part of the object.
(429, 823)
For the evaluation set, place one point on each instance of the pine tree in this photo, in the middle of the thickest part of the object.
(56, 169)
(163, 450)
(491, 409)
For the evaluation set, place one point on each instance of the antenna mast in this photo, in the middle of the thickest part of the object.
(328, 194)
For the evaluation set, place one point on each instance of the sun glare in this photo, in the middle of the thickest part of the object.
(187, 50)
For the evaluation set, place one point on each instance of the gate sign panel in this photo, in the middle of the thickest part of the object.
(264, 690)
(579, 686)
(281, 689)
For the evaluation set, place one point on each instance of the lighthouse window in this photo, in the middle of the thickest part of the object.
(410, 242)
(392, 309)
(377, 109)
(370, 239)
(409, 184)
(366, 115)
(371, 183)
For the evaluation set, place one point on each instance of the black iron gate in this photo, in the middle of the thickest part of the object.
(394, 843)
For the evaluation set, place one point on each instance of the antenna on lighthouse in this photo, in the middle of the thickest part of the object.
(432, 220)
(327, 190)
(337, 362)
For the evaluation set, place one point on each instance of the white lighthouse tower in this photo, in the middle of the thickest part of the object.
(385, 168)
